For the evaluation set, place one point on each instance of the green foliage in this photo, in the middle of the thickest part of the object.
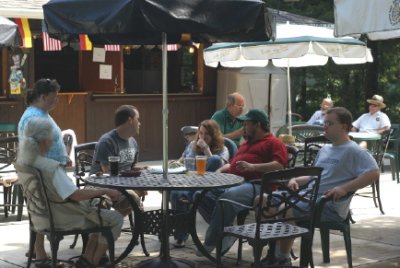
(347, 85)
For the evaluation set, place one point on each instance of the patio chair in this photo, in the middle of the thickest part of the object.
(326, 226)
(40, 210)
(378, 153)
(83, 161)
(241, 217)
(12, 193)
(393, 152)
(271, 223)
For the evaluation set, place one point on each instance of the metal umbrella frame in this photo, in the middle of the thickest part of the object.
(294, 46)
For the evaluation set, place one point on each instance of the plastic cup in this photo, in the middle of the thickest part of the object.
(114, 165)
(190, 164)
(201, 165)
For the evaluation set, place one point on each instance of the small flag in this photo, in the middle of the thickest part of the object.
(25, 31)
(84, 42)
(50, 44)
(112, 47)
(172, 47)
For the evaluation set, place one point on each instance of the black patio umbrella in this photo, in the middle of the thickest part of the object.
(158, 22)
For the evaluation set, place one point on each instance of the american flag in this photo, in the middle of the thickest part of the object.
(172, 47)
(112, 47)
(50, 44)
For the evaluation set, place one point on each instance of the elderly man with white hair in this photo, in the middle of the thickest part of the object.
(32, 153)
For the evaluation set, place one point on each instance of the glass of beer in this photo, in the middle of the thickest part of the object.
(114, 165)
(201, 161)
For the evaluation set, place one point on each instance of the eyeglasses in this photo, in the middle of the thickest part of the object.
(240, 106)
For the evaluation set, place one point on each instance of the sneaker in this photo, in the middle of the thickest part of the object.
(179, 243)
(209, 249)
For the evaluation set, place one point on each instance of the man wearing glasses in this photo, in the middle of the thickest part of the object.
(228, 118)
(346, 168)
(375, 121)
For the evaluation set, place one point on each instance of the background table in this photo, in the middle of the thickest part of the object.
(365, 136)
(151, 181)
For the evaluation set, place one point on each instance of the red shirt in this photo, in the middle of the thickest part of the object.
(265, 150)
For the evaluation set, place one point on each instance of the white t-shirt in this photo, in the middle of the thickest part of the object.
(372, 122)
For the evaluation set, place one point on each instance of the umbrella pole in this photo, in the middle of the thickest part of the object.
(165, 104)
(289, 103)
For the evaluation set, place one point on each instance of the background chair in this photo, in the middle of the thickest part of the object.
(12, 193)
(393, 152)
(271, 223)
(40, 206)
(378, 153)
(83, 161)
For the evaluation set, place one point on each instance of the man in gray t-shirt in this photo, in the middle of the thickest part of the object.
(119, 141)
(346, 168)
(111, 144)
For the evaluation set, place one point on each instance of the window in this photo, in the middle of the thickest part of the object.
(143, 70)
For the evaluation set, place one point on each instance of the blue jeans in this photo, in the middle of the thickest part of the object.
(245, 194)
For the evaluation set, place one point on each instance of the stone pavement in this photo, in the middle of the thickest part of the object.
(375, 237)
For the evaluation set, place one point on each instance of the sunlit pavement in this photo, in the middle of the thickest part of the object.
(375, 237)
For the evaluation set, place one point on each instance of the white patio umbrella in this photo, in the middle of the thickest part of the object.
(379, 19)
(294, 46)
(9, 35)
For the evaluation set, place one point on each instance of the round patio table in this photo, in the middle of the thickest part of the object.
(156, 181)
(365, 136)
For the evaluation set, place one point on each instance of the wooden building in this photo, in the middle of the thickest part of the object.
(93, 87)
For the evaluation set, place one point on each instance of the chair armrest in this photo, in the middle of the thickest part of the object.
(221, 200)
(322, 201)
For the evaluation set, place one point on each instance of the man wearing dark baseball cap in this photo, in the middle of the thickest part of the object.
(256, 116)
(261, 152)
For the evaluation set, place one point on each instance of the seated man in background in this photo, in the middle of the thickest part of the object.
(38, 139)
(375, 121)
(318, 117)
(346, 168)
(262, 152)
(228, 118)
(120, 142)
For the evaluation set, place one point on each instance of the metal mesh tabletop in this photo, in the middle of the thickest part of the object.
(151, 181)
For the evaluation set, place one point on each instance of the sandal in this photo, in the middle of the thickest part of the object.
(47, 263)
(83, 263)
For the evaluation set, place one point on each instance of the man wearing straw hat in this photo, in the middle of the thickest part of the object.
(375, 121)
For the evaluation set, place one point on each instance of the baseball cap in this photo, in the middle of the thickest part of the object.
(256, 115)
